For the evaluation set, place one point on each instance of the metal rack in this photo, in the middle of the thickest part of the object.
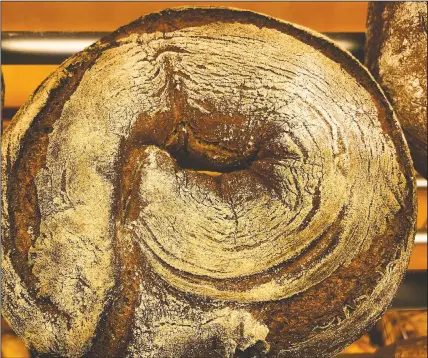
(55, 47)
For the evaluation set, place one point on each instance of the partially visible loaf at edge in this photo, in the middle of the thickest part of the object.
(396, 54)
(117, 244)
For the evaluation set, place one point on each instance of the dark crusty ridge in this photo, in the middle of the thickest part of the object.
(396, 54)
(118, 244)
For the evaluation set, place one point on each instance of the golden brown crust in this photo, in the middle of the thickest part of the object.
(396, 54)
(294, 250)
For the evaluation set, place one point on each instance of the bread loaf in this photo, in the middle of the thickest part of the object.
(396, 54)
(118, 243)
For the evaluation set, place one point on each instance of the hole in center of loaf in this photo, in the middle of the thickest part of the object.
(205, 136)
(209, 140)
(203, 144)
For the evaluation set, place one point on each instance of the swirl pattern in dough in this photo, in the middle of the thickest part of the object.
(204, 182)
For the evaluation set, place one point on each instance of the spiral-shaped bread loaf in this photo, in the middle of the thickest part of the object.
(120, 241)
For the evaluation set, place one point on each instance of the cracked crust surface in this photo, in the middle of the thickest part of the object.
(396, 53)
(117, 242)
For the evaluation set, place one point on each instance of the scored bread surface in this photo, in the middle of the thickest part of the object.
(116, 243)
